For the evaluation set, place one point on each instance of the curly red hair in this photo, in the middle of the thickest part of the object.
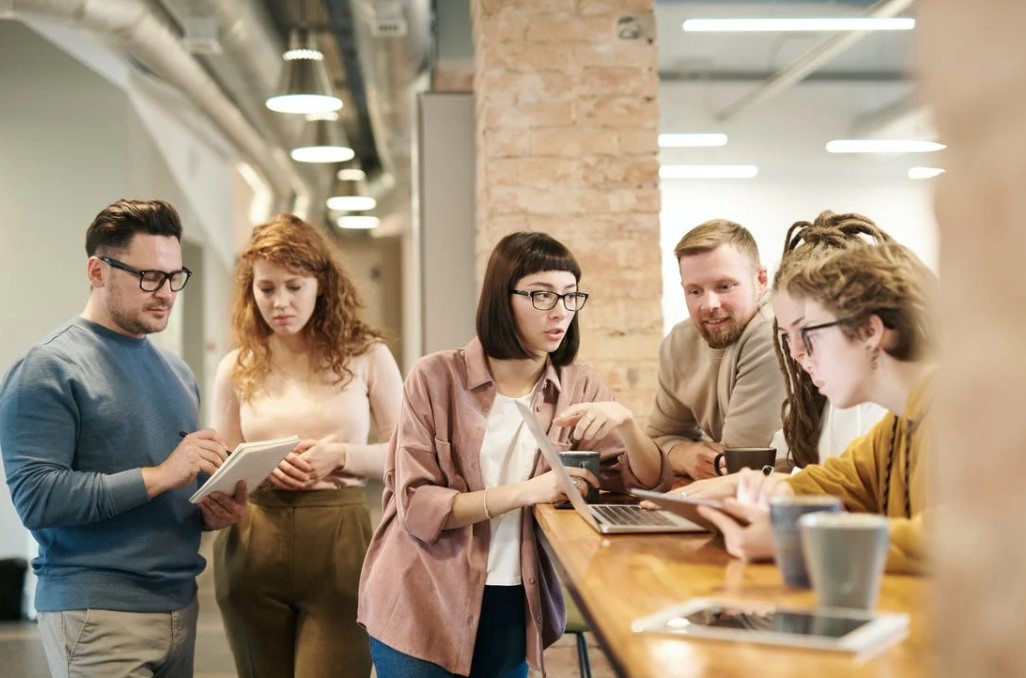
(335, 332)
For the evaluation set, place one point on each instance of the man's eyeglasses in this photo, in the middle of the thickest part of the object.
(545, 300)
(151, 281)
(809, 341)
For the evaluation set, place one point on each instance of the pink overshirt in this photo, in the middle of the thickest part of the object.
(421, 587)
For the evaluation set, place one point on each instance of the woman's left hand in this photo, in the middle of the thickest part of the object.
(593, 421)
(748, 542)
(323, 457)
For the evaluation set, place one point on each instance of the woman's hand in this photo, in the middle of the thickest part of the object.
(594, 421)
(546, 488)
(719, 487)
(293, 473)
(748, 542)
(323, 457)
(753, 487)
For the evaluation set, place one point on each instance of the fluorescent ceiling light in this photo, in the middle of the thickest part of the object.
(351, 174)
(782, 24)
(882, 146)
(363, 221)
(692, 140)
(322, 154)
(924, 172)
(708, 171)
(352, 203)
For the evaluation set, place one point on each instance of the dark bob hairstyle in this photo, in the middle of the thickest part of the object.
(515, 256)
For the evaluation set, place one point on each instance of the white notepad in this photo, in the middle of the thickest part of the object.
(251, 462)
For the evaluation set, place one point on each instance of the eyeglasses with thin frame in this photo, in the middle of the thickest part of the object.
(545, 300)
(152, 280)
(807, 341)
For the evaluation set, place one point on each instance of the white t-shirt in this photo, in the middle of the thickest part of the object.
(838, 429)
(508, 453)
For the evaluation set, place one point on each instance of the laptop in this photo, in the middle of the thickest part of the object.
(604, 518)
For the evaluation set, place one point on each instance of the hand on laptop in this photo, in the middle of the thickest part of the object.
(546, 488)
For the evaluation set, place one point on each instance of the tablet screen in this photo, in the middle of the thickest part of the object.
(774, 621)
(824, 629)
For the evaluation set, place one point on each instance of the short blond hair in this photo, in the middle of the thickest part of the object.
(709, 235)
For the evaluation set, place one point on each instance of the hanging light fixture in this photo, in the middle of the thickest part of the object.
(304, 86)
(322, 139)
(358, 221)
(350, 195)
(351, 170)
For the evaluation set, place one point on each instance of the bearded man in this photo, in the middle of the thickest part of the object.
(719, 383)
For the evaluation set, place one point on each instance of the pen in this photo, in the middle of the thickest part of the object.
(182, 434)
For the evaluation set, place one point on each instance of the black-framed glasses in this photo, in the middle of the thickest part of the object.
(807, 341)
(545, 300)
(150, 280)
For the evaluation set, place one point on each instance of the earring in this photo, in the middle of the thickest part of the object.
(874, 357)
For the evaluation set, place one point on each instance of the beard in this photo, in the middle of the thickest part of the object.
(724, 334)
(135, 322)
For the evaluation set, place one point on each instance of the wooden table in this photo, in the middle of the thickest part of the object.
(617, 578)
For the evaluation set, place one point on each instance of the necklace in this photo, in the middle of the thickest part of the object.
(890, 465)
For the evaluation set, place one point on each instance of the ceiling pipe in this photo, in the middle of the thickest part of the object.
(152, 38)
(812, 60)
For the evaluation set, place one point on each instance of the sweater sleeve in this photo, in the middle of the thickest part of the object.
(39, 429)
(852, 476)
(907, 552)
(671, 421)
(385, 391)
(753, 413)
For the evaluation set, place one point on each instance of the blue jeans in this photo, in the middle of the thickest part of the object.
(500, 649)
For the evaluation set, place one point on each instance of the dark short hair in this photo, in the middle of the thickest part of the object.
(117, 223)
(518, 255)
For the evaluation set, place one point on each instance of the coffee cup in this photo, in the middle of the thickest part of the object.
(787, 544)
(586, 460)
(737, 458)
(845, 554)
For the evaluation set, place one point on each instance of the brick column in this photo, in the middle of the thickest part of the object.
(979, 538)
(567, 127)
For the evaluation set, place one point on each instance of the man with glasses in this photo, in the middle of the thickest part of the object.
(719, 384)
(89, 430)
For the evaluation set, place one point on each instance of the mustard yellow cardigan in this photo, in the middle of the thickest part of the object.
(858, 477)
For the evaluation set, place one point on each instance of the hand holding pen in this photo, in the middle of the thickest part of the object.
(199, 452)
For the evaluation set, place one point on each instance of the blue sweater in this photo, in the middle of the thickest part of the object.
(80, 415)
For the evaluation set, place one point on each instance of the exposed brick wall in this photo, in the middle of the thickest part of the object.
(567, 127)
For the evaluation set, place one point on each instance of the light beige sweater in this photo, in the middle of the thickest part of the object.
(730, 395)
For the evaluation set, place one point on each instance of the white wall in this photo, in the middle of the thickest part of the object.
(798, 179)
(72, 141)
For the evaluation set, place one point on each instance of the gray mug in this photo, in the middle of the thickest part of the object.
(787, 543)
(737, 458)
(845, 554)
(586, 460)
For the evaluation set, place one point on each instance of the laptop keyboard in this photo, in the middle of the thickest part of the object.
(628, 514)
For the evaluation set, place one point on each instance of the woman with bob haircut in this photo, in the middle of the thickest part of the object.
(867, 337)
(286, 576)
(454, 583)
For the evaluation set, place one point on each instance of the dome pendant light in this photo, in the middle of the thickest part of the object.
(322, 140)
(304, 86)
(351, 196)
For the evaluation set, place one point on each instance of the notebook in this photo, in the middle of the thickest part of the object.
(605, 518)
(251, 462)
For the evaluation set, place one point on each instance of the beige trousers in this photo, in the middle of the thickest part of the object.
(287, 578)
(111, 644)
